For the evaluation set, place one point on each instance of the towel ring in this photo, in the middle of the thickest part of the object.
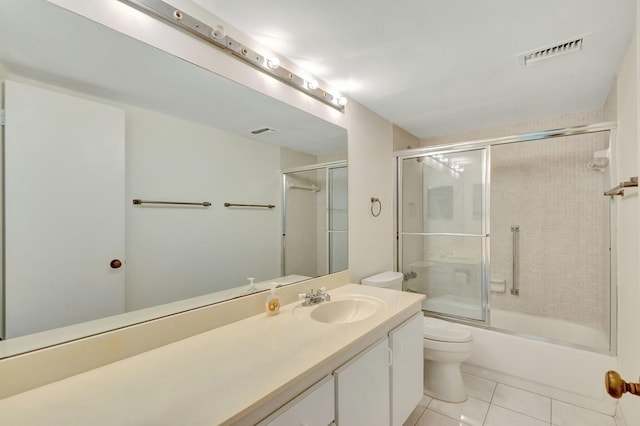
(375, 201)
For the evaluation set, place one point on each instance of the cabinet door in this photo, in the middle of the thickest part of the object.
(362, 388)
(314, 407)
(406, 343)
(64, 209)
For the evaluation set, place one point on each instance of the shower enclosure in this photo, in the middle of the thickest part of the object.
(513, 233)
(314, 228)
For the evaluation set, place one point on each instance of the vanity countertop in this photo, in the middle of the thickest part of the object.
(217, 377)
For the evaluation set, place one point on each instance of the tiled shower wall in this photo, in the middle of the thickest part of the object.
(547, 189)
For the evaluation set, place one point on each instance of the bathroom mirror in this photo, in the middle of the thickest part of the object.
(186, 135)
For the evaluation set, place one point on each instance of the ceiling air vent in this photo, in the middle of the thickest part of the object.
(548, 52)
(263, 130)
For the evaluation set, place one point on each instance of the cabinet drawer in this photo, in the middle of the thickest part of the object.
(313, 407)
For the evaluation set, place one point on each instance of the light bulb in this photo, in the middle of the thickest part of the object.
(342, 101)
(273, 63)
(312, 84)
(217, 32)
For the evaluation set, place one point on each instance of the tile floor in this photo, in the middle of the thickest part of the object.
(495, 404)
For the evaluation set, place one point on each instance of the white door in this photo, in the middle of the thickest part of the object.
(362, 388)
(407, 369)
(64, 209)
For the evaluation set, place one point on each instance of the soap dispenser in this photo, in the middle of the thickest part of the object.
(252, 286)
(273, 302)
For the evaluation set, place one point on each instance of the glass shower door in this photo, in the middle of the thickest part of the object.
(315, 220)
(337, 214)
(443, 231)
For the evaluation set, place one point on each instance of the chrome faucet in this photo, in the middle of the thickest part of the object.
(313, 298)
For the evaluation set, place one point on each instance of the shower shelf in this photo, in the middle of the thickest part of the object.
(619, 190)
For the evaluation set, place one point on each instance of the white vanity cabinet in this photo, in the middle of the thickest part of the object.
(407, 382)
(383, 384)
(362, 388)
(314, 407)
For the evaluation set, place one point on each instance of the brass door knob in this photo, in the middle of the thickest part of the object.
(616, 387)
(115, 263)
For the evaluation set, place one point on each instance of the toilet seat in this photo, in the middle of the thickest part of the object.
(444, 331)
(452, 347)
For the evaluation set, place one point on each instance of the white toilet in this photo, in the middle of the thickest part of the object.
(446, 345)
(388, 279)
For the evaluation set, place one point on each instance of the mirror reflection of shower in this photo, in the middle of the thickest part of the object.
(314, 237)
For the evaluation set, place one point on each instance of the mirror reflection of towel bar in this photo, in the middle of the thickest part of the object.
(181, 203)
(266, 206)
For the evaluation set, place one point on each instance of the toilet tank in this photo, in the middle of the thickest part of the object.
(388, 279)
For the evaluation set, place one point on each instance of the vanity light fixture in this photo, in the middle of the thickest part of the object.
(273, 63)
(217, 37)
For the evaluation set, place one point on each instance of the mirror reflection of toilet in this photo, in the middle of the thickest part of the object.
(446, 346)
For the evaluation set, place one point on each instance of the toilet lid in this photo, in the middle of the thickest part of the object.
(444, 331)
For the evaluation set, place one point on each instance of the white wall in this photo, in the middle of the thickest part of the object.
(628, 230)
(404, 140)
(370, 175)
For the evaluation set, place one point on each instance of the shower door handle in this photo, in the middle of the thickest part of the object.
(515, 238)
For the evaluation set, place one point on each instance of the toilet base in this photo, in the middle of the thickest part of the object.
(443, 381)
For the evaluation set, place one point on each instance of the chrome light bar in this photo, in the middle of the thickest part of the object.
(216, 36)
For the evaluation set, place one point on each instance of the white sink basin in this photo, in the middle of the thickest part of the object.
(347, 309)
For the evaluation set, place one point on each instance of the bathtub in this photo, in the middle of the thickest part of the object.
(566, 373)
(549, 328)
(531, 325)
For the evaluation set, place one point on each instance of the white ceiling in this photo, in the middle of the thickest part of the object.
(64, 49)
(435, 67)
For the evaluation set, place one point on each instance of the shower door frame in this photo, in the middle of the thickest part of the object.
(484, 233)
(607, 126)
(320, 166)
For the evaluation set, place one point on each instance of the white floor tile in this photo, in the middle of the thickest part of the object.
(569, 415)
(478, 387)
(499, 416)
(415, 415)
(425, 401)
(472, 411)
(618, 417)
(431, 418)
(524, 402)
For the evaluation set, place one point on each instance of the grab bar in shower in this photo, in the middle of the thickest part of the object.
(619, 190)
(181, 203)
(266, 206)
(515, 236)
